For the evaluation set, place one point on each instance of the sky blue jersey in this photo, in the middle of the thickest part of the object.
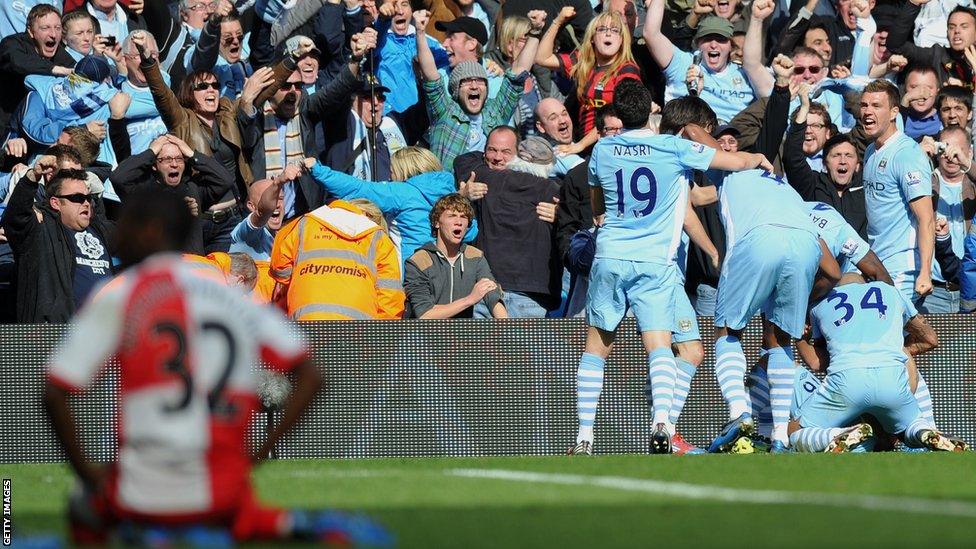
(644, 178)
(863, 325)
(895, 175)
(754, 198)
(842, 240)
(728, 92)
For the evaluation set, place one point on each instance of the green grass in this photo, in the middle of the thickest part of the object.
(426, 506)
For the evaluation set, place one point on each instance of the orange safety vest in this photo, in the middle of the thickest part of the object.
(338, 265)
(215, 265)
(264, 288)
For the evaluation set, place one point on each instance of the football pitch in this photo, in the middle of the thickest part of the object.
(890, 500)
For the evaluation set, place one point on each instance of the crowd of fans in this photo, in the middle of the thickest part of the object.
(358, 159)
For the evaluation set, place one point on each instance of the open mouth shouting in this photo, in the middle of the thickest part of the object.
(723, 8)
(472, 100)
(401, 23)
(870, 123)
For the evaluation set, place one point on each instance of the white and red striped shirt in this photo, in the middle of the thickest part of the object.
(187, 347)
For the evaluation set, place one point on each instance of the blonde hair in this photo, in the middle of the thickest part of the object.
(372, 211)
(586, 55)
(511, 29)
(410, 161)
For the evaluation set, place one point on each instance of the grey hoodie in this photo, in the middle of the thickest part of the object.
(430, 279)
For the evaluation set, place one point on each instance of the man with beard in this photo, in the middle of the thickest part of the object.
(461, 123)
(37, 51)
(949, 62)
(173, 165)
(281, 131)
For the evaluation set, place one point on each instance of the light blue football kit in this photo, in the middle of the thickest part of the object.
(894, 175)
(863, 327)
(644, 178)
(772, 255)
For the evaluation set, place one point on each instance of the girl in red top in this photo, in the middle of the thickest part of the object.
(601, 62)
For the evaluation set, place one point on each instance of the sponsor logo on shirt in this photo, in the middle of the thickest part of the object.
(89, 245)
(882, 164)
(914, 178)
(698, 147)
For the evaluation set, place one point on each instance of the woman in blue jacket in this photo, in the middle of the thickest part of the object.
(406, 202)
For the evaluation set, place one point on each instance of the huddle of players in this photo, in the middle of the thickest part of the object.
(785, 258)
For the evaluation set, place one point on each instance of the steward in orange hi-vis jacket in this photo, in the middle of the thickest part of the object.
(335, 264)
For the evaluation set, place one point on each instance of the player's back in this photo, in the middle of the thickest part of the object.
(893, 176)
(644, 178)
(863, 325)
(842, 240)
(754, 198)
(186, 347)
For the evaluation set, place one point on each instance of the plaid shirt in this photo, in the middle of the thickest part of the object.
(450, 125)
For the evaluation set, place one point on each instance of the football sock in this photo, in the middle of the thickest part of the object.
(813, 439)
(924, 399)
(589, 383)
(759, 395)
(730, 369)
(684, 371)
(913, 434)
(661, 374)
(780, 372)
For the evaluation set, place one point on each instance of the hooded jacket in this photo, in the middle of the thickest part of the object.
(430, 279)
(18, 59)
(406, 205)
(337, 265)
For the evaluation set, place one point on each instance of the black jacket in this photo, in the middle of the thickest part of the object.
(204, 179)
(429, 279)
(841, 38)
(44, 256)
(309, 194)
(946, 62)
(519, 246)
(18, 59)
(575, 209)
(817, 186)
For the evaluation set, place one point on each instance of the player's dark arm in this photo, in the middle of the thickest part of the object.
(307, 383)
(921, 337)
(696, 232)
(873, 269)
(598, 205)
(814, 353)
(774, 126)
(828, 273)
(65, 429)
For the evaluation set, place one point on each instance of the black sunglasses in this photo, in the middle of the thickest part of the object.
(291, 86)
(77, 198)
(200, 86)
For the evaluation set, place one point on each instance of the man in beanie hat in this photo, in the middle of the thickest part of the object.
(460, 123)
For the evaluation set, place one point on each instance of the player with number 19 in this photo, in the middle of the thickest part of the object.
(637, 184)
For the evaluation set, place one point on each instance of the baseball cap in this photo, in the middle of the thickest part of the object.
(468, 25)
(369, 84)
(714, 24)
(291, 45)
(726, 128)
(93, 67)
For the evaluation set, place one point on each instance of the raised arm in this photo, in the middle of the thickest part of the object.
(527, 57)
(546, 56)
(170, 110)
(752, 49)
(661, 48)
(425, 57)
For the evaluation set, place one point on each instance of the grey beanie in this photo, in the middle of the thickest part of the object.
(537, 150)
(463, 71)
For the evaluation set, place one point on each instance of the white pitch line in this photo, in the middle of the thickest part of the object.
(954, 508)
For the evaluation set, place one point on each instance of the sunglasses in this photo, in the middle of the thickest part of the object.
(200, 86)
(291, 86)
(77, 198)
(814, 69)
